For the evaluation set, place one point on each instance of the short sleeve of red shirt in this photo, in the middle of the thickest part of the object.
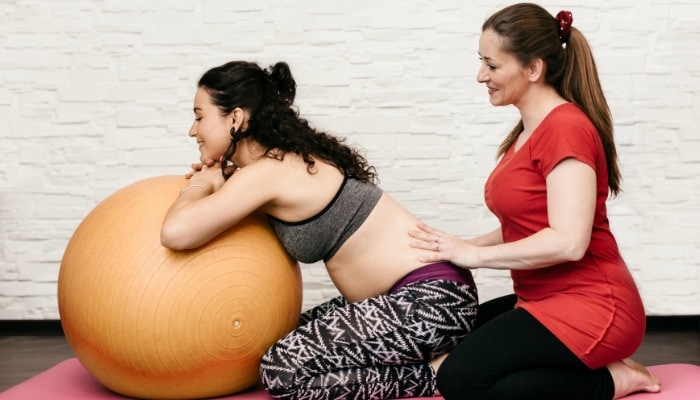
(565, 133)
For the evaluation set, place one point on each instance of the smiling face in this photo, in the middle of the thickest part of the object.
(210, 128)
(505, 77)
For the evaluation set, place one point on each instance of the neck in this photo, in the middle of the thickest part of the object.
(248, 151)
(535, 107)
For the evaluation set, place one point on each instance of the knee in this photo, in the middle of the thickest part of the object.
(455, 380)
(448, 380)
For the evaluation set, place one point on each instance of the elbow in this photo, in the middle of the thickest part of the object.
(170, 238)
(172, 245)
(576, 254)
(576, 250)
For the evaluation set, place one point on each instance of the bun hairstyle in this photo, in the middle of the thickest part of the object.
(282, 80)
(268, 95)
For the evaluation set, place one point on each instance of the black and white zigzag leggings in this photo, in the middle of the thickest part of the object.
(377, 348)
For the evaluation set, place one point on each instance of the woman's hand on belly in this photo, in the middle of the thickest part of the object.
(375, 257)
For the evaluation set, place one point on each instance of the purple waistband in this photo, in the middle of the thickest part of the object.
(438, 271)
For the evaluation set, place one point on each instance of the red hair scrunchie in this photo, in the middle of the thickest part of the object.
(565, 19)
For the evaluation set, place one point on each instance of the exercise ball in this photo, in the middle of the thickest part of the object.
(153, 323)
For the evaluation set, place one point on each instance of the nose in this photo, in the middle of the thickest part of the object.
(482, 75)
(193, 130)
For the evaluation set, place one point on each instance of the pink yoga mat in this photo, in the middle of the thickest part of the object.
(70, 381)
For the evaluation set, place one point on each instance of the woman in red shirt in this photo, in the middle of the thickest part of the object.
(576, 314)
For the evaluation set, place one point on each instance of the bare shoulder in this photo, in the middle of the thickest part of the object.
(264, 176)
(282, 185)
(279, 171)
(296, 190)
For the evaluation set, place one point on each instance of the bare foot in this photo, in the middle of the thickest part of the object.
(435, 364)
(629, 377)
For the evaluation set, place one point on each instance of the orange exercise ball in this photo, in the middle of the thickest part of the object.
(153, 323)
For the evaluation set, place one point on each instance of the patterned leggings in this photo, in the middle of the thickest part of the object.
(377, 348)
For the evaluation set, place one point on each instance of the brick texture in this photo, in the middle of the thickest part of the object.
(97, 94)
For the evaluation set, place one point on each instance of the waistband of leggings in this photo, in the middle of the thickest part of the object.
(438, 271)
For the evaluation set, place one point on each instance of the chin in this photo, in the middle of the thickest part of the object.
(203, 157)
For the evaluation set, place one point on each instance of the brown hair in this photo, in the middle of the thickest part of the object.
(529, 32)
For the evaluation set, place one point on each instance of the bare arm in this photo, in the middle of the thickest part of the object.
(211, 205)
(571, 197)
(490, 239)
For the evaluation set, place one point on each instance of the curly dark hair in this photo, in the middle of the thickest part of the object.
(268, 94)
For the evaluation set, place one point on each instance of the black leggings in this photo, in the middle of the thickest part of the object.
(510, 355)
(378, 348)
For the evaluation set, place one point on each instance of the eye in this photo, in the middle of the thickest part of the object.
(198, 119)
(484, 62)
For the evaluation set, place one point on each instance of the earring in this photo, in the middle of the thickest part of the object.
(233, 133)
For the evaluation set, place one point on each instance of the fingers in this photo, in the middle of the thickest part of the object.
(432, 245)
(424, 227)
(420, 233)
(196, 167)
(426, 233)
(428, 238)
(432, 258)
(431, 232)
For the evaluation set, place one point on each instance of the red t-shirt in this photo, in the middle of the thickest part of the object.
(591, 305)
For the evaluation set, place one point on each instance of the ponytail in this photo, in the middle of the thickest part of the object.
(581, 86)
(530, 32)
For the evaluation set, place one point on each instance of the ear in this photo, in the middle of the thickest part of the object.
(536, 70)
(238, 118)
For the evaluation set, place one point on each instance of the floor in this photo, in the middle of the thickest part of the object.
(23, 356)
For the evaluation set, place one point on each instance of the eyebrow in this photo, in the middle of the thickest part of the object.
(196, 109)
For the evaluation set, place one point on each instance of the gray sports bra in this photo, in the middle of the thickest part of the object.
(320, 236)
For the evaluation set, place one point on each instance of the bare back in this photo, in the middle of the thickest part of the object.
(376, 256)
(373, 259)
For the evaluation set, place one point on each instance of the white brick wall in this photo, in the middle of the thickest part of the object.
(95, 95)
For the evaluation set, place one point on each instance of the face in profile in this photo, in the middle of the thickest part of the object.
(502, 73)
(210, 129)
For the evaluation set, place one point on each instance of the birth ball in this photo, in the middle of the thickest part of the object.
(150, 322)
